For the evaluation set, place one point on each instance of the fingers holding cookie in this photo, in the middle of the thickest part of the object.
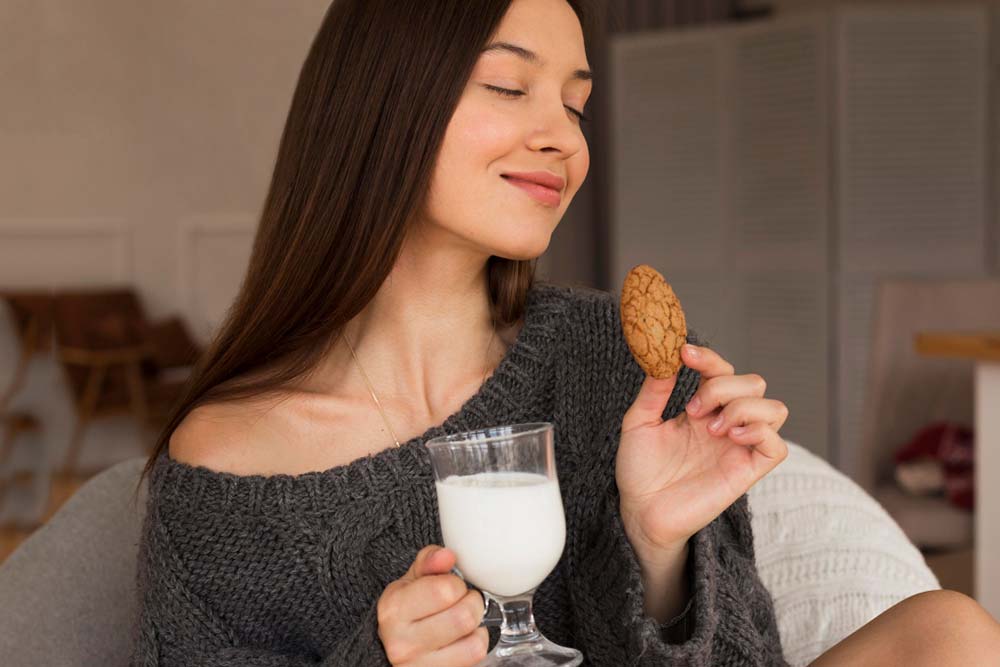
(647, 408)
(706, 361)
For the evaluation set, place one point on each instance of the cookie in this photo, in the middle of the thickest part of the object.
(652, 321)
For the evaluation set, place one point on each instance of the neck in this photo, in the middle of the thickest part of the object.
(422, 340)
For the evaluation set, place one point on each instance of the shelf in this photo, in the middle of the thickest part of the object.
(982, 346)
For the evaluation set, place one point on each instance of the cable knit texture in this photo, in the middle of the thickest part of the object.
(831, 556)
(286, 570)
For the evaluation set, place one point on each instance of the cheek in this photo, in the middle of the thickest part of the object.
(472, 154)
(467, 172)
(481, 135)
(579, 165)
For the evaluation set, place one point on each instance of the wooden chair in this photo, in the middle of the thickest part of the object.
(114, 361)
(31, 314)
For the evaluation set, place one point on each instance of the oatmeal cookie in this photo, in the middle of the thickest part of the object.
(652, 321)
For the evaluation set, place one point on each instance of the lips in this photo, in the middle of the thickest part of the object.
(540, 193)
(542, 178)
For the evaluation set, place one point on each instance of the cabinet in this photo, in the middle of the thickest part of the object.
(777, 172)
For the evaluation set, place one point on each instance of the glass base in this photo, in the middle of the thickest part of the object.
(539, 652)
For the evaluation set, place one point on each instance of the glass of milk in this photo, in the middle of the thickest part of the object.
(502, 514)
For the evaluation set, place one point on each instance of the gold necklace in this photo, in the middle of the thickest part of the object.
(372, 390)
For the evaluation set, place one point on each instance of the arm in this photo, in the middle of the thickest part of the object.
(666, 590)
(728, 615)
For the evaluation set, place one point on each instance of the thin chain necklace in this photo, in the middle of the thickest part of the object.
(372, 390)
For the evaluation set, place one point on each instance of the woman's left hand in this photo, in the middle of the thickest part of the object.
(674, 477)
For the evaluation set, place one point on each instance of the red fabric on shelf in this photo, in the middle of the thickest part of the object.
(951, 445)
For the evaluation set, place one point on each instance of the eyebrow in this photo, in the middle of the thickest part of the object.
(533, 58)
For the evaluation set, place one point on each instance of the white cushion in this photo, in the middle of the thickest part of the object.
(830, 555)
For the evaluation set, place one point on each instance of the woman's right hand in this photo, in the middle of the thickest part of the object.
(429, 617)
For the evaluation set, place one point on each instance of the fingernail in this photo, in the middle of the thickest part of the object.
(716, 424)
(692, 351)
(693, 405)
(737, 430)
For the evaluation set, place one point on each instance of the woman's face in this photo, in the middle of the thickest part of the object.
(536, 130)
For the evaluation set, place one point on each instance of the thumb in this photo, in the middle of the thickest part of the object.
(649, 404)
(432, 559)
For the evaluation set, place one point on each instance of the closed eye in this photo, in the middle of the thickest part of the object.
(517, 93)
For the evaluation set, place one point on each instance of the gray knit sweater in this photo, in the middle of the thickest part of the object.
(286, 570)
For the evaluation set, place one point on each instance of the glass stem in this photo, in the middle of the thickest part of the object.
(518, 620)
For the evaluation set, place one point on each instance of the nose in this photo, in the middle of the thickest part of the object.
(555, 129)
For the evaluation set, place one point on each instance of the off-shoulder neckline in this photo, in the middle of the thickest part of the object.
(503, 396)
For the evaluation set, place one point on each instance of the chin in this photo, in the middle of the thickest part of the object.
(524, 249)
(522, 240)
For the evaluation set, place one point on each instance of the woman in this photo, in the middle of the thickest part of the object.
(390, 298)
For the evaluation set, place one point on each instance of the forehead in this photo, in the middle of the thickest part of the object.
(546, 32)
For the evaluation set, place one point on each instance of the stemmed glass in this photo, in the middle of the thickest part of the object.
(502, 515)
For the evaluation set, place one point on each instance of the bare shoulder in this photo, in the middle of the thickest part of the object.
(227, 437)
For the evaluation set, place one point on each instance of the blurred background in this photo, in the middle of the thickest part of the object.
(816, 179)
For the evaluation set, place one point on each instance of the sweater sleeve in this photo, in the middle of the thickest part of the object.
(176, 628)
(729, 618)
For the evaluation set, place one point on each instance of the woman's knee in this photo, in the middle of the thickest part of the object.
(950, 606)
(940, 628)
(947, 627)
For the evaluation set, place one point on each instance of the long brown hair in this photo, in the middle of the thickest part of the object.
(373, 101)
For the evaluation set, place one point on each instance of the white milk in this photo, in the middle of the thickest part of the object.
(507, 528)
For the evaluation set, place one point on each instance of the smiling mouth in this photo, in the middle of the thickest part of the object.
(540, 193)
(523, 180)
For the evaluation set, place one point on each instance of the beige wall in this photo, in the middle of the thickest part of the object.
(147, 117)
(138, 140)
